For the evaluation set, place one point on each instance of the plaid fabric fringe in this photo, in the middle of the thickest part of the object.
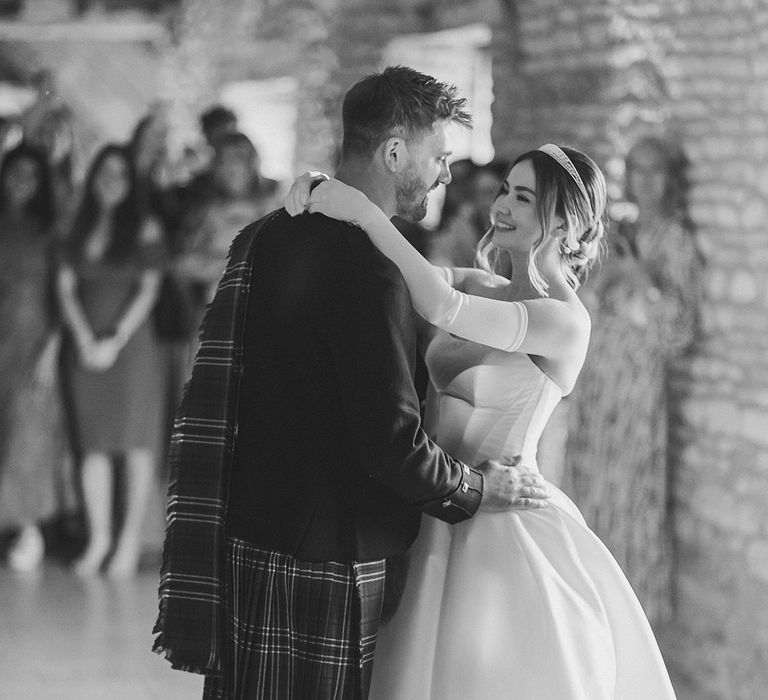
(190, 621)
(298, 630)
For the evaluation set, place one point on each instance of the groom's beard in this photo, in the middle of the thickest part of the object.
(411, 196)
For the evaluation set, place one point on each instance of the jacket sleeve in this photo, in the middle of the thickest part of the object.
(369, 329)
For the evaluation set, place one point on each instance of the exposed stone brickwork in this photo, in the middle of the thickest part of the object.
(716, 68)
(597, 75)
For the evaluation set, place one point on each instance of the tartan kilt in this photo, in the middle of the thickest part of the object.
(297, 630)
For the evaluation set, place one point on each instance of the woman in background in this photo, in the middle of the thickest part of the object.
(55, 136)
(643, 305)
(32, 438)
(107, 285)
(238, 196)
(157, 192)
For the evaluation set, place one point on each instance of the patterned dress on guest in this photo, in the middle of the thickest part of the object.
(642, 302)
(34, 483)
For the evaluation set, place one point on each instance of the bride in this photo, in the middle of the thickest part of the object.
(523, 604)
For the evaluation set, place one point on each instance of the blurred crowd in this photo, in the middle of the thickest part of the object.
(104, 282)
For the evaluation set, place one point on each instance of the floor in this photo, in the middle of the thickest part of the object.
(63, 638)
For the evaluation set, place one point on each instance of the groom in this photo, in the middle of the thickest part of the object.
(298, 461)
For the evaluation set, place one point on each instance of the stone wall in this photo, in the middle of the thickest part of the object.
(716, 69)
(597, 75)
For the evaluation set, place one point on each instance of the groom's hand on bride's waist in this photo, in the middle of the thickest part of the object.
(508, 485)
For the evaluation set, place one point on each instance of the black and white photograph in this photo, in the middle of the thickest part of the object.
(364, 350)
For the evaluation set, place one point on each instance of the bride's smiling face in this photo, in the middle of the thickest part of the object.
(514, 214)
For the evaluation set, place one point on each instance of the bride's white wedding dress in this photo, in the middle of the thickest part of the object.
(523, 605)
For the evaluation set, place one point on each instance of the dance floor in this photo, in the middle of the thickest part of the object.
(63, 638)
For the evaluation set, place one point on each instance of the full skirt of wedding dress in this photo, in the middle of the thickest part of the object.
(520, 605)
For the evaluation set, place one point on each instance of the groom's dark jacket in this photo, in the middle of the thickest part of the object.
(330, 460)
(299, 428)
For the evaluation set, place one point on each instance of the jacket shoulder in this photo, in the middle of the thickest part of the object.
(243, 241)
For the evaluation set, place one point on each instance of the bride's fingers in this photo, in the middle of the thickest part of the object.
(298, 197)
(534, 492)
(532, 479)
(293, 202)
(315, 202)
(533, 503)
(316, 198)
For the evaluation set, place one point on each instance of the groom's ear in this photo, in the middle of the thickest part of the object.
(395, 154)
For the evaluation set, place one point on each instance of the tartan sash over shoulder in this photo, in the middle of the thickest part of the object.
(190, 623)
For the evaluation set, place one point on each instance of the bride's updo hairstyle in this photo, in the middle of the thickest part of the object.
(569, 185)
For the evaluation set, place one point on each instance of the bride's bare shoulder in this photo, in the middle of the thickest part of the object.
(567, 294)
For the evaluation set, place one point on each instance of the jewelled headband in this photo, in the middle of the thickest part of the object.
(559, 155)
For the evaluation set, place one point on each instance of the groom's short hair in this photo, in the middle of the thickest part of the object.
(397, 102)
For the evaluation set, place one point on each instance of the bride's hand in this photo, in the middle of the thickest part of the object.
(336, 200)
(297, 199)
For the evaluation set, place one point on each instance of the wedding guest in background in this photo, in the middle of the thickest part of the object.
(215, 122)
(643, 302)
(239, 195)
(160, 197)
(156, 191)
(55, 135)
(34, 482)
(163, 199)
(107, 285)
(662, 235)
(48, 123)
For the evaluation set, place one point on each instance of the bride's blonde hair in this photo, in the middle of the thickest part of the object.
(558, 194)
